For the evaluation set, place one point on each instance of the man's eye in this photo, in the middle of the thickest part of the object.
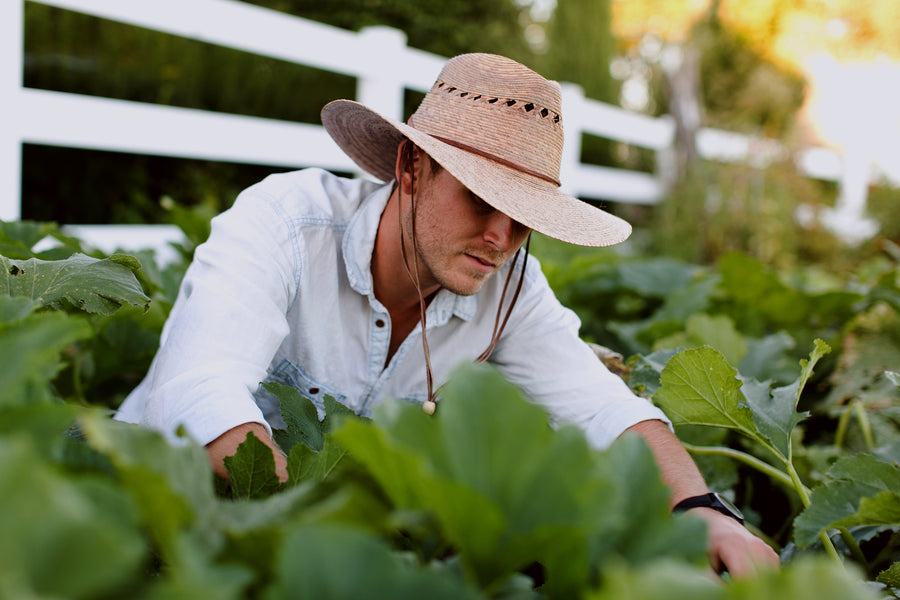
(481, 205)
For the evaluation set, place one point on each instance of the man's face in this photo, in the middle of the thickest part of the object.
(461, 239)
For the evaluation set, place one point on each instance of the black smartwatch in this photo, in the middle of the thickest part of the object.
(713, 501)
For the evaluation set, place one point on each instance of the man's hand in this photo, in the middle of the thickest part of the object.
(227, 444)
(733, 548)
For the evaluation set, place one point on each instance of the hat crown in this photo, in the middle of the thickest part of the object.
(498, 108)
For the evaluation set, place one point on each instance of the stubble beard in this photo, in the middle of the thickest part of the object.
(438, 262)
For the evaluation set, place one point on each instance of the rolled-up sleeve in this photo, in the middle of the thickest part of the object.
(227, 323)
(543, 354)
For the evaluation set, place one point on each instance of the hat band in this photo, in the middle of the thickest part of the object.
(495, 158)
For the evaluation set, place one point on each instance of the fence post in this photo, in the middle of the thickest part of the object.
(381, 89)
(11, 13)
(573, 125)
(848, 218)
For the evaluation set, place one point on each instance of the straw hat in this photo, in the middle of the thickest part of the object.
(496, 126)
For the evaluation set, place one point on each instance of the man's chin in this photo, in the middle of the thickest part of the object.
(469, 287)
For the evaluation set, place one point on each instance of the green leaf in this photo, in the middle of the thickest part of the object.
(655, 276)
(172, 485)
(682, 302)
(646, 370)
(754, 287)
(881, 509)
(89, 284)
(776, 414)
(806, 366)
(30, 355)
(718, 332)
(497, 490)
(335, 413)
(715, 331)
(645, 530)
(861, 490)
(252, 469)
(315, 562)
(63, 536)
(805, 579)
(48, 426)
(699, 387)
(17, 238)
(16, 308)
(192, 573)
(870, 346)
(300, 416)
(890, 576)
(304, 464)
(312, 452)
(768, 358)
(662, 579)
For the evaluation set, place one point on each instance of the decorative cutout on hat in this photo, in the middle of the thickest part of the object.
(523, 105)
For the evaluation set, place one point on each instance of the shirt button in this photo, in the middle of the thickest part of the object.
(313, 391)
(379, 323)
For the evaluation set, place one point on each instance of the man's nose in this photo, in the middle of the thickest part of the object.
(501, 231)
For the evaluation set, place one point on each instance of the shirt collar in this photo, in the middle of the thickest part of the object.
(358, 245)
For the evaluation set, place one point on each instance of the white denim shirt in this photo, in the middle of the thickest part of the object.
(282, 291)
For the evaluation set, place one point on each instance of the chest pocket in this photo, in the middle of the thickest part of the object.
(291, 375)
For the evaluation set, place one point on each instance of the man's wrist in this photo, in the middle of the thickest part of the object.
(713, 501)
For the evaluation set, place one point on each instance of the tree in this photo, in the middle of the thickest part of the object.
(580, 46)
(742, 88)
(445, 27)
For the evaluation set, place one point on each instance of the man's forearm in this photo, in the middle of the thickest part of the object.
(675, 464)
(227, 444)
(731, 546)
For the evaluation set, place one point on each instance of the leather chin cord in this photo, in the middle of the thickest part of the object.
(499, 324)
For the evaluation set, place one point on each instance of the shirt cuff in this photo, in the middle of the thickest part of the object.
(607, 425)
(206, 419)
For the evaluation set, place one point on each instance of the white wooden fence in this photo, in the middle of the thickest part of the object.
(383, 66)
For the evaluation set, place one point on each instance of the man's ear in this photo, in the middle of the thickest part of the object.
(408, 160)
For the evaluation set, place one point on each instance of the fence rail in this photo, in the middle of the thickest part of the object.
(383, 66)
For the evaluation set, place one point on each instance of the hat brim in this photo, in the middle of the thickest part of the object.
(371, 141)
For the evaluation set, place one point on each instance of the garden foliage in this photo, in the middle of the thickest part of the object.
(784, 387)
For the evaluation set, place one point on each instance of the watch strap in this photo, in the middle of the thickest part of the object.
(709, 500)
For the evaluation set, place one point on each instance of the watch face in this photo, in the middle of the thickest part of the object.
(729, 506)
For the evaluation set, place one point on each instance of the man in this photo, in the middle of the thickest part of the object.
(365, 291)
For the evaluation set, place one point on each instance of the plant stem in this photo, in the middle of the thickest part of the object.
(803, 492)
(841, 430)
(857, 408)
(745, 458)
(864, 424)
(77, 386)
(854, 548)
(790, 480)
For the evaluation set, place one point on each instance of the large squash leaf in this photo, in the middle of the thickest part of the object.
(699, 387)
(30, 354)
(809, 579)
(89, 284)
(62, 537)
(861, 490)
(336, 563)
(508, 491)
(776, 413)
(706, 330)
(171, 485)
(251, 469)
